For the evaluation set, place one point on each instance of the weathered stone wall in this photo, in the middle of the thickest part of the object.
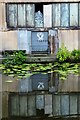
(70, 38)
(9, 40)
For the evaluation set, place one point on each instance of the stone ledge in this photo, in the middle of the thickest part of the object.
(40, 59)
(36, 59)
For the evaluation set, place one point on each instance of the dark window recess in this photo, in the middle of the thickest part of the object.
(39, 7)
(39, 15)
(40, 112)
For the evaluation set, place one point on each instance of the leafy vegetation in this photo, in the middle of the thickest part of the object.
(64, 55)
(75, 55)
(15, 65)
(14, 58)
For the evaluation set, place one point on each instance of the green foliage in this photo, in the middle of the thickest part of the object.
(26, 70)
(14, 65)
(64, 69)
(17, 57)
(75, 55)
(63, 54)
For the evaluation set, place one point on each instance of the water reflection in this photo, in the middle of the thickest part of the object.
(0, 96)
(41, 81)
(72, 84)
(43, 94)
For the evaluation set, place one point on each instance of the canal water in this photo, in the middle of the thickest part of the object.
(40, 97)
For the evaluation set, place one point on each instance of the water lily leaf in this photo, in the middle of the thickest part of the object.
(27, 75)
(11, 71)
(23, 71)
(62, 78)
(4, 71)
(15, 69)
(11, 75)
(44, 73)
(20, 76)
(9, 81)
(49, 71)
(16, 66)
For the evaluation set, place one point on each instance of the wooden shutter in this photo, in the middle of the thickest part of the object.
(47, 11)
(31, 105)
(12, 16)
(73, 104)
(73, 14)
(30, 15)
(21, 15)
(65, 104)
(56, 15)
(64, 15)
(79, 14)
(48, 104)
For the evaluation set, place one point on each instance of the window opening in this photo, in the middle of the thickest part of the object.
(39, 7)
(38, 15)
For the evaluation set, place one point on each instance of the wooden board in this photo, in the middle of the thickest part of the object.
(47, 11)
(21, 15)
(73, 14)
(14, 105)
(56, 105)
(56, 14)
(65, 14)
(79, 14)
(23, 105)
(12, 8)
(48, 104)
(73, 104)
(30, 15)
(64, 104)
(39, 102)
(31, 105)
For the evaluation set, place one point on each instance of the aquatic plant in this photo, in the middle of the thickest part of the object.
(15, 65)
(63, 54)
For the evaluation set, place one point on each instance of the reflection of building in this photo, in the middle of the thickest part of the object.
(56, 105)
(19, 19)
(0, 96)
(0, 105)
(43, 95)
(39, 82)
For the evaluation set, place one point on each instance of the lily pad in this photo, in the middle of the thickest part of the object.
(9, 81)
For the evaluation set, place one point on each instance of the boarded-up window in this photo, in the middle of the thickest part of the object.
(20, 15)
(47, 15)
(66, 15)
